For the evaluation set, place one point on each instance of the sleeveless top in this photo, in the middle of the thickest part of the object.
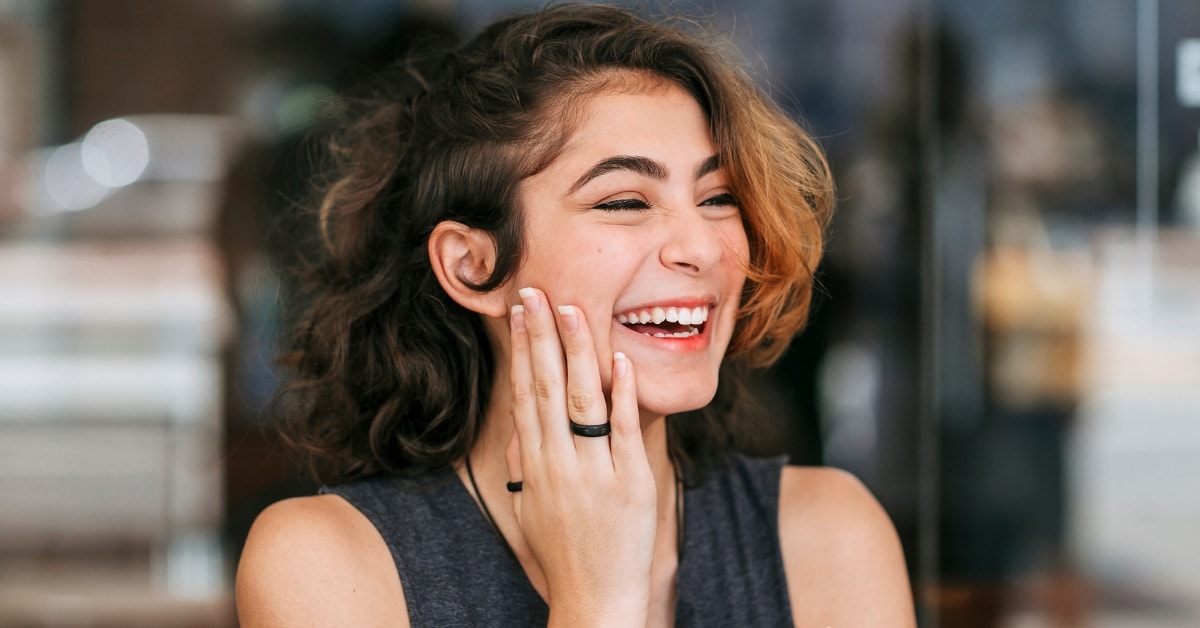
(457, 572)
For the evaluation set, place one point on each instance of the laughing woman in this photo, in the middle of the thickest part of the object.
(547, 254)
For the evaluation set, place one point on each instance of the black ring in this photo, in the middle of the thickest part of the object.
(590, 431)
(514, 487)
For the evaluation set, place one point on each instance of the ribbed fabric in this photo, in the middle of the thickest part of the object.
(457, 572)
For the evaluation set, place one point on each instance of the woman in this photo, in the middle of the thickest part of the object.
(547, 257)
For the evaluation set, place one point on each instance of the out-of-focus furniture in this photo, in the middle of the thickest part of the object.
(114, 319)
(110, 406)
(110, 420)
(1136, 451)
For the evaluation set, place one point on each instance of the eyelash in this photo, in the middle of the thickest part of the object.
(624, 204)
(721, 199)
(629, 204)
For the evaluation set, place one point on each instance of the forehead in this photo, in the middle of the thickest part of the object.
(641, 115)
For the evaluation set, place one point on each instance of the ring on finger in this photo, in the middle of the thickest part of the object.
(591, 431)
(514, 487)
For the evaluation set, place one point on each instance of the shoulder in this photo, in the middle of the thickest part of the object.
(317, 561)
(841, 554)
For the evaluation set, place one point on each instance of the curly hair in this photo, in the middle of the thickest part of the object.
(387, 374)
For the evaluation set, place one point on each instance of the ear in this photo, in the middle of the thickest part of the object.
(461, 256)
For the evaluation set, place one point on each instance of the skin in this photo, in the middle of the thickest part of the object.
(665, 234)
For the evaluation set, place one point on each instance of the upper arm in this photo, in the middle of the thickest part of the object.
(316, 561)
(841, 554)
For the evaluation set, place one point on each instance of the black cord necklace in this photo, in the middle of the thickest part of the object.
(487, 514)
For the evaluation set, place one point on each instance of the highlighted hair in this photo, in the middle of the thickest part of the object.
(387, 373)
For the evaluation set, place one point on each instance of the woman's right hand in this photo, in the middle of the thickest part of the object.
(588, 507)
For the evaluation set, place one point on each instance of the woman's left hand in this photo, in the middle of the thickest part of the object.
(587, 509)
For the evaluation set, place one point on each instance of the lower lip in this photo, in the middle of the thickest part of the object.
(693, 343)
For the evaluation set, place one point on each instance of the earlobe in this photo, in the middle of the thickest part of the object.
(462, 256)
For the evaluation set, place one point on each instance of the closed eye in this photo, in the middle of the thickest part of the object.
(720, 200)
(623, 204)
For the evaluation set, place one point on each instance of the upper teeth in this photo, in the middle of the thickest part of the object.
(656, 315)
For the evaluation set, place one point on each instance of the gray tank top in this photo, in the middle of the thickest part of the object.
(457, 572)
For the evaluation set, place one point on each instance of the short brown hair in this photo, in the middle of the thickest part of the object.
(387, 373)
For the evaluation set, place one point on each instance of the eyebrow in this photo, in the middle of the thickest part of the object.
(639, 165)
(709, 166)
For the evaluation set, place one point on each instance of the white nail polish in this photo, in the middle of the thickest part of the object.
(621, 364)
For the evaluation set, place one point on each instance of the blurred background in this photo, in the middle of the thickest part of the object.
(1005, 345)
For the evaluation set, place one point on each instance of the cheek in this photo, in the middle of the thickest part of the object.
(737, 245)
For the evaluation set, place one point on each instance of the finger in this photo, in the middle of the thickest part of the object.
(549, 378)
(628, 447)
(585, 395)
(512, 459)
(524, 405)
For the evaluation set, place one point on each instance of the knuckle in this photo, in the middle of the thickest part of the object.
(577, 348)
(579, 403)
(544, 389)
(522, 396)
(537, 331)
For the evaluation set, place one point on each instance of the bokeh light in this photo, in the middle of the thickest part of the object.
(115, 153)
(68, 183)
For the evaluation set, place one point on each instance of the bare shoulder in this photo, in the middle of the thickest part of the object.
(841, 553)
(317, 561)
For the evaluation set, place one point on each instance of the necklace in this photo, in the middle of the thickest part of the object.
(487, 514)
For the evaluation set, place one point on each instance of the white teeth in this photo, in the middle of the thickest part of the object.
(659, 315)
(692, 331)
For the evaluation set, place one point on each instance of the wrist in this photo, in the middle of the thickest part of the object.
(610, 612)
(608, 618)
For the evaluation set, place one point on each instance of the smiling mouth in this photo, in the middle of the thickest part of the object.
(666, 322)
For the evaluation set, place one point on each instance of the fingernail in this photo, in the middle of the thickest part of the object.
(529, 297)
(620, 364)
(569, 320)
(517, 317)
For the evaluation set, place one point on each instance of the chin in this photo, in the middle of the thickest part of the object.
(680, 401)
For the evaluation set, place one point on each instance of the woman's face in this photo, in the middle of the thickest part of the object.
(634, 224)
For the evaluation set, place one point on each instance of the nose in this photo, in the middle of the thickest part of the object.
(693, 243)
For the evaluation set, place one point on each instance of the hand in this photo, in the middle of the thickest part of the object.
(587, 510)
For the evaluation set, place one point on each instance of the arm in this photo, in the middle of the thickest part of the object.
(841, 554)
(317, 561)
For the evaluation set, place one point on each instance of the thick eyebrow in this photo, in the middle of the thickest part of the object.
(640, 165)
(709, 166)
